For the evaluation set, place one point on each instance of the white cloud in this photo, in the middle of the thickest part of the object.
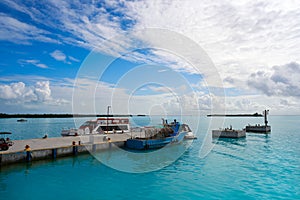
(258, 103)
(41, 65)
(61, 56)
(224, 28)
(43, 91)
(20, 94)
(36, 63)
(245, 39)
(250, 34)
(160, 89)
(58, 55)
(93, 97)
(26, 78)
(19, 32)
(279, 81)
(73, 59)
(234, 41)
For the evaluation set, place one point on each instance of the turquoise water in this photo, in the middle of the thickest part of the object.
(257, 167)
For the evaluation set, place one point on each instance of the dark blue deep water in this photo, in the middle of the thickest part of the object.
(256, 167)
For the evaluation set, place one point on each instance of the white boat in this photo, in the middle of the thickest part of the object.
(190, 135)
(69, 132)
(104, 125)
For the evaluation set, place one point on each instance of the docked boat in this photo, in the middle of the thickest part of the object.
(104, 125)
(5, 143)
(22, 120)
(190, 136)
(158, 137)
(69, 132)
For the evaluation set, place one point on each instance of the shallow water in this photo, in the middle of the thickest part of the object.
(256, 167)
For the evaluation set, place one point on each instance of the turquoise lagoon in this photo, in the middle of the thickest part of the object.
(257, 167)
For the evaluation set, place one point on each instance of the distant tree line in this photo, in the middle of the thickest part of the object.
(235, 115)
(4, 115)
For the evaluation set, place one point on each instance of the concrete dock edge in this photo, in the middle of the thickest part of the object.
(44, 152)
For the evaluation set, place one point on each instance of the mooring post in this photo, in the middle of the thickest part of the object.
(54, 153)
(75, 148)
(109, 142)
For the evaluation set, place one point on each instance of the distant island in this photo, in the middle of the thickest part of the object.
(4, 115)
(235, 115)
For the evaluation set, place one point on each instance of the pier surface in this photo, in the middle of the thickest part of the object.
(59, 146)
(228, 133)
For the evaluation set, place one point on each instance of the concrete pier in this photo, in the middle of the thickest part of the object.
(258, 129)
(52, 148)
(228, 133)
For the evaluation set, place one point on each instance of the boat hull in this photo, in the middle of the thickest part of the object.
(143, 143)
(190, 136)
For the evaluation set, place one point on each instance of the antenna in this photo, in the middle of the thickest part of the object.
(266, 112)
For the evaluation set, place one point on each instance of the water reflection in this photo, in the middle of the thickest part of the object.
(141, 161)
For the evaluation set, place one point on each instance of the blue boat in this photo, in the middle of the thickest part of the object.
(158, 137)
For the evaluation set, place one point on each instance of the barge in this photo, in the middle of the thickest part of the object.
(228, 133)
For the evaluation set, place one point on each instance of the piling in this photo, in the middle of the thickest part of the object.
(54, 153)
(75, 150)
(94, 147)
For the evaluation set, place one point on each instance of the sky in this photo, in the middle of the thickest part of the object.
(150, 57)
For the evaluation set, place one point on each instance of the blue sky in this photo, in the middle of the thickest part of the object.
(162, 56)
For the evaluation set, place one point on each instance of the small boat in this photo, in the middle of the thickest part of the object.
(22, 120)
(103, 125)
(190, 136)
(5, 143)
(69, 132)
(158, 137)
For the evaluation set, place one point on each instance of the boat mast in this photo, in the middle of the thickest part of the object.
(107, 118)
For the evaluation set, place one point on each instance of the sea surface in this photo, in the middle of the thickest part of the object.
(256, 167)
